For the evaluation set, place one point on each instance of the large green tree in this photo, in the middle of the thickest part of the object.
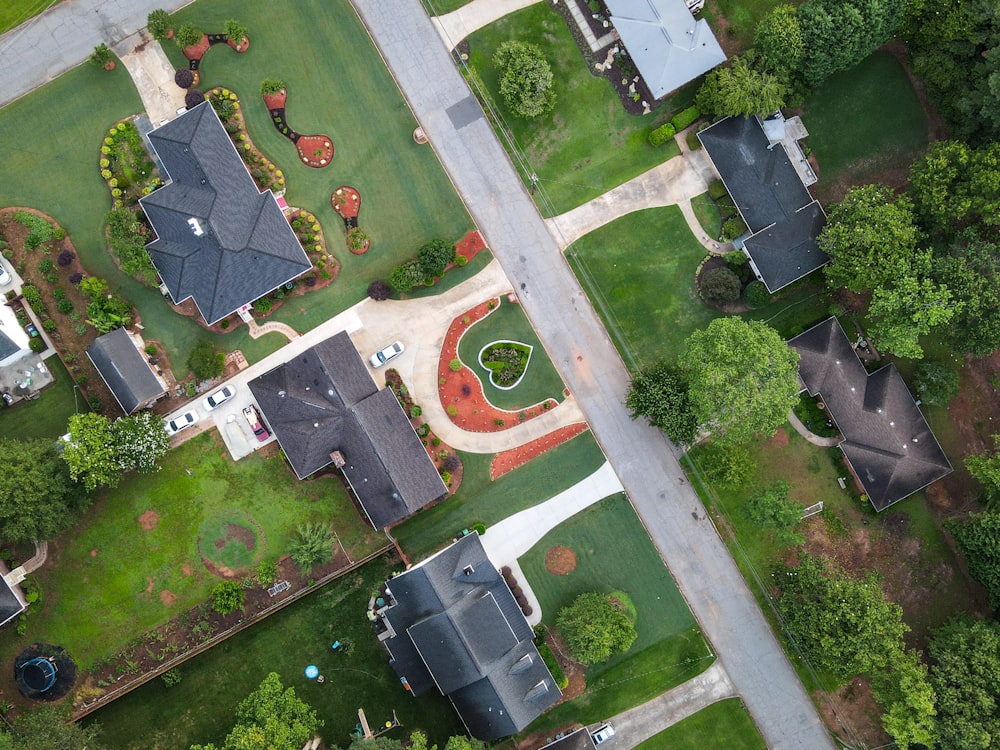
(771, 508)
(743, 378)
(46, 728)
(965, 675)
(838, 34)
(969, 268)
(740, 90)
(140, 442)
(778, 41)
(908, 700)
(845, 626)
(99, 451)
(871, 240)
(35, 491)
(907, 309)
(596, 626)
(270, 718)
(435, 256)
(660, 393)
(526, 81)
(978, 539)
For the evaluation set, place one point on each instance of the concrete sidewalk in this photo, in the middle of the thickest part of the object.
(455, 26)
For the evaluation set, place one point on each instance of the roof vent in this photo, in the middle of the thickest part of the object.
(196, 227)
(468, 570)
(281, 394)
(338, 459)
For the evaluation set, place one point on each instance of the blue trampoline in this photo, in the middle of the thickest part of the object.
(39, 674)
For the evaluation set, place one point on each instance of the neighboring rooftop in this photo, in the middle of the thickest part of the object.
(783, 218)
(580, 739)
(219, 240)
(125, 370)
(7, 346)
(667, 44)
(11, 602)
(324, 402)
(887, 441)
(453, 624)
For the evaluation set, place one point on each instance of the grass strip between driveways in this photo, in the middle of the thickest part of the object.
(725, 724)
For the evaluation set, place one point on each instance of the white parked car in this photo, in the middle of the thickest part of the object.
(602, 734)
(218, 398)
(182, 422)
(5, 277)
(382, 356)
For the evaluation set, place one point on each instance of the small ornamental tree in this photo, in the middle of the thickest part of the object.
(435, 256)
(740, 90)
(184, 78)
(235, 31)
(596, 626)
(140, 442)
(158, 24)
(271, 86)
(525, 78)
(188, 35)
(102, 56)
(379, 290)
(90, 452)
(313, 545)
(720, 286)
(193, 98)
(205, 361)
(660, 393)
(227, 597)
(772, 509)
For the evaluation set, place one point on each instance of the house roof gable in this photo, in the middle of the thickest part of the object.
(125, 370)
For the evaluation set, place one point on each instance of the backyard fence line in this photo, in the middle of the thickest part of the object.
(218, 638)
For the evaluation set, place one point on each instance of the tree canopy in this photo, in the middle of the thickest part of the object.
(526, 81)
(965, 675)
(596, 626)
(35, 491)
(99, 451)
(46, 728)
(435, 256)
(660, 393)
(771, 508)
(978, 539)
(839, 34)
(740, 90)
(743, 378)
(270, 718)
(778, 41)
(969, 268)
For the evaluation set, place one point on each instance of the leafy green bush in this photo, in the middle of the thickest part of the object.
(31, 295)
(684, 118)
(756, 294)
(263, 305)
(235, 30)
(435, 256)
(36, 345)
(720, 286)
(227, 597)
(936, 383)
(271, 86)
(267, 573)
(188, 35)
(770, 508)
(733, 228)
(662, 134)
(102, 55)
(171, 677)
(562, 681)
(595, 627)
(406, 276)
(205, 362)
(128, 245)
(415, 411)
(525, 78)
(717, 190)
(313, 545)
(45, 265)
(39, 230)
(158, 24)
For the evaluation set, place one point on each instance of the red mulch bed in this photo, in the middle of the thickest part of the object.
(474, 412)
(517, 457)
(470, 244)
(351, 205)
(276, 101)
(197, 51)
(311, 145)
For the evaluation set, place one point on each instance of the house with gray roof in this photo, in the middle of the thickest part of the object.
(887, 442)
(12, 602)
(666, 43)
(324, 407)
(219, 240)
(452, 623)
(122, 364)
(783, 218)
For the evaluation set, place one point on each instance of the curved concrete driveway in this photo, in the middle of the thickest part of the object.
(455, 26)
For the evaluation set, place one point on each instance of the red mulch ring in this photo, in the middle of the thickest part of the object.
(473, 412)
(517, 457)
(276, 101)
(346, 201)
(244, 45)
(315, 150)
(560, 561)
(197, 51)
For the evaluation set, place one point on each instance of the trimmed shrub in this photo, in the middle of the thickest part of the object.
(65, 258)
(435, 256)
(661, 135)
(718, 190)
(271, 86)
(102, 55)
(406, 276)
(455, 365)
(415, 411)
(184, 78)
(158, 24)
(193, 98)
(36, 345)
(379, 291)
(562, 681)
(733, 228)
(720, 286)
(756, 294)
(684, 118)
(188, 35)
(263, 305)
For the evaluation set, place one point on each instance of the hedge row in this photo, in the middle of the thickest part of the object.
(662, 134)
(684, 118)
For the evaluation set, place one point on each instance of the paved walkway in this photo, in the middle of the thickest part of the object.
(455, 26)
(823, 442)
(642, 722)
(256, 330)
(153, 76)
(581, 350)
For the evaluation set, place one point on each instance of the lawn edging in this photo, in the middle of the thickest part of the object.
(110, 697)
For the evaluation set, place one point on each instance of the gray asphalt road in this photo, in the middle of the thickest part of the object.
(64, 36)
(581, 349)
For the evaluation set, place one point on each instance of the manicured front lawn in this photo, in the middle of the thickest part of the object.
(708, 214)
(481, 501)
(865, 125)
(202, 707)
(739, 18)
(724, 724)
(613, 552)
(48, 415)
(588, 144)
(15, 12)
(509, 323)
(639, 274)
(106, 578)
(440, 7)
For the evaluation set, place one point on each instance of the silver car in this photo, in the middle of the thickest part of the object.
(182, 422)
(218, 398)
(382, 356)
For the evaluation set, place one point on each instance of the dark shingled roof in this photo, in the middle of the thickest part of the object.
(457, 627)
(7, 347)
(11, 605)
(247, 248)
(324, 400)
(778, 210)
(581, 739)
(125, 370)
(886, 439)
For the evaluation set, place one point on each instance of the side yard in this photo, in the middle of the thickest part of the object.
(724, 724)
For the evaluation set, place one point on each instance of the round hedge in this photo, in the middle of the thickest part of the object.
(184, 78)
(756, 294)
(193, 98)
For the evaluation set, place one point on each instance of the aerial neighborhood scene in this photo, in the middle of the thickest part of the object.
(516, 374)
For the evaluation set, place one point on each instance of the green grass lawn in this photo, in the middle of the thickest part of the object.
(15, 12)
(724, 724)
(509, 323)
(202, 707)
(440, 7)
(613, 553)
(865, 124)
(708, 214)
(479, 500)
(740, 19)
(639, 274)
(48, 415)
(105, 577)
(588, 144)
(337, 85)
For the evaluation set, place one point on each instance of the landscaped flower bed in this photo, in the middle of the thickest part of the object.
(506, 362)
